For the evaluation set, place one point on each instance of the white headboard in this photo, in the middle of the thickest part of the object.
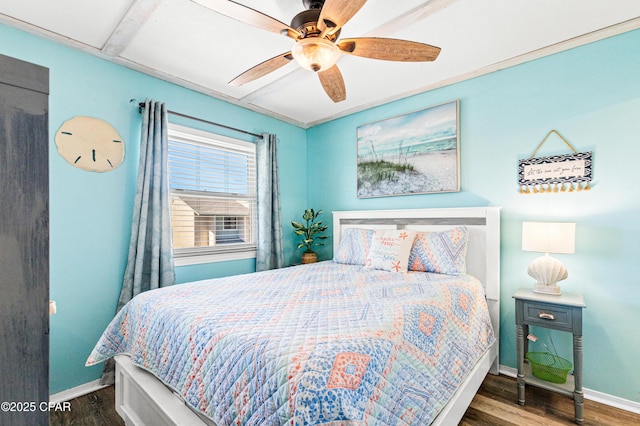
(483, 248)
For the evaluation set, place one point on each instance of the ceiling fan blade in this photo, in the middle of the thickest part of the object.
(333, 84)
(389, 49)
(262, 69)
(339, 12)
(249, 16)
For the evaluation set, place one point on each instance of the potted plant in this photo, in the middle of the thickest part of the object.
(309, 231)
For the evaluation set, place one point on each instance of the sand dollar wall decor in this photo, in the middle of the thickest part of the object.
(90, 144)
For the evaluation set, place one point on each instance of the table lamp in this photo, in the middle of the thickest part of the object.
(548, 237)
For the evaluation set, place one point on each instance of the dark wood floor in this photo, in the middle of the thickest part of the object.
(494, 405)
(94, 409)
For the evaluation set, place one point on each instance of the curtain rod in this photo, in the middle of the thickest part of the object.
(141, 105)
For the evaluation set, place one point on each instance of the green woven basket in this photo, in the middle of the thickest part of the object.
(548, 367)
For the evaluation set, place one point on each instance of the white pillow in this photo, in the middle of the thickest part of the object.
(390, 249)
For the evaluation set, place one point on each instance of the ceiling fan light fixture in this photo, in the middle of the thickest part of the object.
(315, 53)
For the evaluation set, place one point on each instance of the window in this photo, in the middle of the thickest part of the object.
(230, 222)
(212, 180)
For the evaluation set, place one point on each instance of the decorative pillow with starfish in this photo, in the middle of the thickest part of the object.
(390, 250)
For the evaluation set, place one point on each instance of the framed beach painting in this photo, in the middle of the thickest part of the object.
(415, 153)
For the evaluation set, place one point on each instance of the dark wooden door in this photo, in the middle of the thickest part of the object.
(24, 243)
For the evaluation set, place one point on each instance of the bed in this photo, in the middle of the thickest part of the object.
(348, 341)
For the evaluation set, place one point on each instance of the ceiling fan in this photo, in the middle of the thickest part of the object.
(316, 32)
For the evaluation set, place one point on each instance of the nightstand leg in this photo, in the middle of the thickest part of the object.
(578, 396)
(520, 348)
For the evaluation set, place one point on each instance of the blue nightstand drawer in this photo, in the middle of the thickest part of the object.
(548, 315)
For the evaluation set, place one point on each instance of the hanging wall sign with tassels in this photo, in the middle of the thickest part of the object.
(568, 172)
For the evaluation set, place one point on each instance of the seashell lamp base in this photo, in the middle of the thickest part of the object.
(547, 289)
(547, 271)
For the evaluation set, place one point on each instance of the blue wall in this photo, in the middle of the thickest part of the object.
(91, 212)
(591, 95)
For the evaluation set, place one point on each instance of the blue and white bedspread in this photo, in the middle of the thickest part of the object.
(324, 343)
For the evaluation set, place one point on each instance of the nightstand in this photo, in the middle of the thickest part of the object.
(564, 313)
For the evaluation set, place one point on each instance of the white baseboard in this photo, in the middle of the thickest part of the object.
(72, 393)
(602, 398)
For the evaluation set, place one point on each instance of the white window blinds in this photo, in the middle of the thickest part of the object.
(212, 180)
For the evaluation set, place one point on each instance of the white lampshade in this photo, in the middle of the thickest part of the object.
(548, 237)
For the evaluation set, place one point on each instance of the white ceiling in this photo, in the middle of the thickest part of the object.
(185, 43)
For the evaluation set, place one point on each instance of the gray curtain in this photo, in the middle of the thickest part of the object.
(150, 262)
(269, 246)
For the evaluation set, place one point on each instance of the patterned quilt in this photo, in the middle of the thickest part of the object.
(325, 343)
